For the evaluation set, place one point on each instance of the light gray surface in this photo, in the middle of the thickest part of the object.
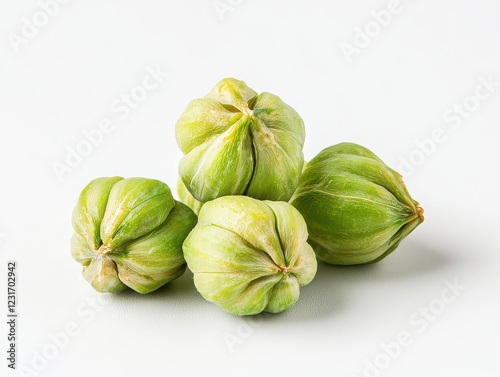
(395, 92)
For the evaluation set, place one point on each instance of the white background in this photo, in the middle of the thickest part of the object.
(392, 94)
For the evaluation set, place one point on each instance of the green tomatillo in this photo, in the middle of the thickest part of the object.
(238, 142)
(129, 233)
(357, 209)
(250, 256)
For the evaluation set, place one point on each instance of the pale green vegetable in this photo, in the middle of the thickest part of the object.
(357, 209)
(238, 142)
(249, 256)
(186, 197)
(129, 233)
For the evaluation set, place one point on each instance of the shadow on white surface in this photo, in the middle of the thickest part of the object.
(412, 259)
(335, 288)
(181, 289)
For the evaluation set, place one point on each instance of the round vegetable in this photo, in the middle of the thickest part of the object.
(357, 209)
(238, 142)
(250, 256)
(129, 233)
